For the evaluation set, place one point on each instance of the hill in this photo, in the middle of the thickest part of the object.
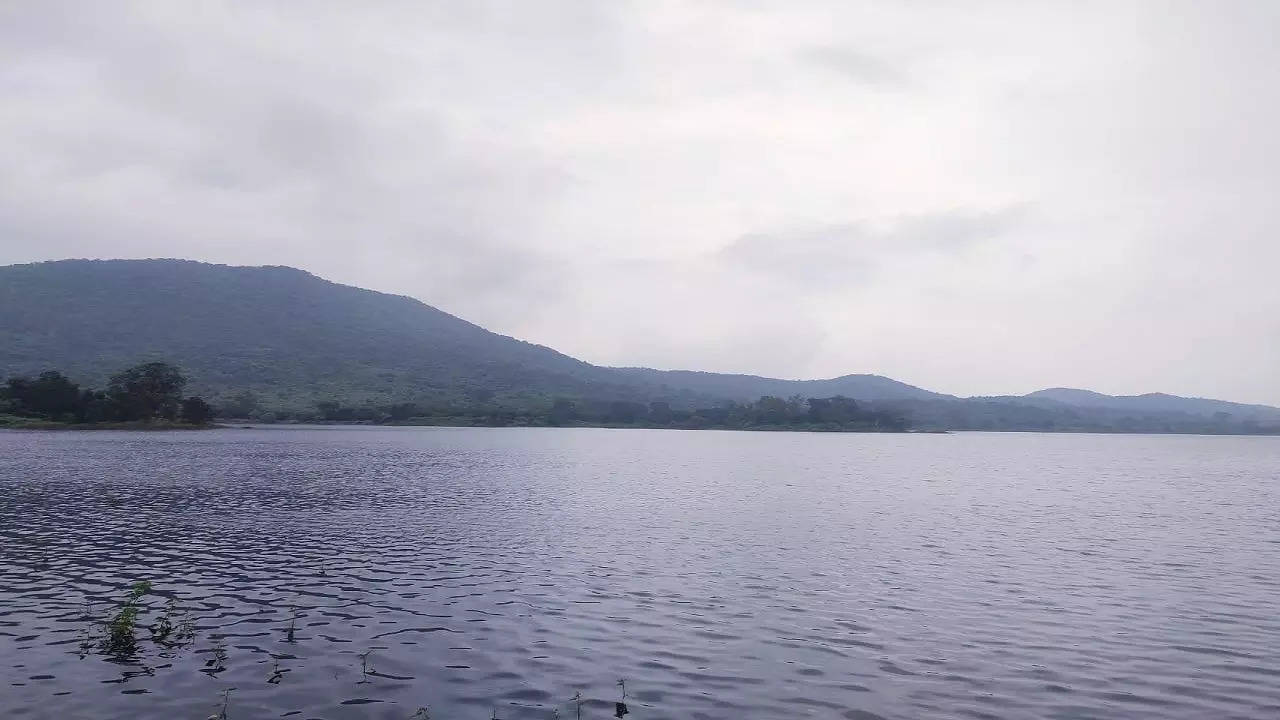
(285, 334)
(1156, 403)
(296, 341)
(750, 387)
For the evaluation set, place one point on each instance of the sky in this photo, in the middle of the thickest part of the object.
(974, 197)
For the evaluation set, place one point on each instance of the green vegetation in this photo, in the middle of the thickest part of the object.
(150, 395)
(1023, 415)
(117, 639)
(147, 394)
(767, 413)
(117, 636)
(288, 338)
(274, 344)
(120, 640)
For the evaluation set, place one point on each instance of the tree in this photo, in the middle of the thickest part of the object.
(147, 391)
(50, 395)
(562, 411)
(196, 411)
(660, 412)
(838, 409)
(771, 410)
(94, 407)
(241, 405)
(621, 411)
(400, 412)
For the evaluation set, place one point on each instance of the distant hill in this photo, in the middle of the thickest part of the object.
(750, 387)
(1155, 402)
(296, 340)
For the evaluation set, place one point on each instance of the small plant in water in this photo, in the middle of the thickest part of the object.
(186, 630)
(364, 667)
(620, 708)
(422, 714)
(218, 662)
(88, 641)
(226, 700)
(163, 627)
(120, 640)
(293, 625)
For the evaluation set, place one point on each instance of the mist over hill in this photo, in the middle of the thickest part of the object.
(296, 340)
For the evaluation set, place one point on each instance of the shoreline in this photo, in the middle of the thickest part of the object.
(21, 423)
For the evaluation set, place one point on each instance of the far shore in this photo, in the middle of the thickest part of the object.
(13, 422)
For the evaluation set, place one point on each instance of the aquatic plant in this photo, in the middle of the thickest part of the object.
(226, 701)
(364, 667)
(120, 640)
(620, 708)
(186, 631)
(218, 662)
(163, 626)
(276, 673)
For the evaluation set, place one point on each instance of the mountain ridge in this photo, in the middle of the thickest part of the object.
(297, 338)
(1156, 401)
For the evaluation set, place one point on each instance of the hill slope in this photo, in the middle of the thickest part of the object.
(297, 340)
(1155, 403)
(750, 387)
(279, 331)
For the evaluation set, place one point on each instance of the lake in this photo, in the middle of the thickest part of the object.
(363, 572)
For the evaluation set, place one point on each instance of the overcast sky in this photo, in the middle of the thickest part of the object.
(978, 198)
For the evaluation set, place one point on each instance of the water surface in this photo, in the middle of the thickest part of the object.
(722, 575)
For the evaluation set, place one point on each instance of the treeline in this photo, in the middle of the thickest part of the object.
(795, 413)
(999, 415)
(143, 393)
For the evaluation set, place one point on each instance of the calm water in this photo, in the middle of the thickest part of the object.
(722, 575)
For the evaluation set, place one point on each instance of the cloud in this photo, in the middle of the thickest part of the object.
(979, 199)
(849, 254)
(856, 66)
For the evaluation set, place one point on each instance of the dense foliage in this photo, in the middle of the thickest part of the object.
(794, 413)
(144, 393)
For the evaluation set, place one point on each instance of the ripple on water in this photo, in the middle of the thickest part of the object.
(367, 573)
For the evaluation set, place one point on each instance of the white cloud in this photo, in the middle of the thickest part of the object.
(981, 197)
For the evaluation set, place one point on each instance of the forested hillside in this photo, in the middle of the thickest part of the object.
(281, 342)
(291, 337)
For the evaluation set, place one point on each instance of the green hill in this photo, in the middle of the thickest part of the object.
(295, 340)
(750, 387)
(291, 337)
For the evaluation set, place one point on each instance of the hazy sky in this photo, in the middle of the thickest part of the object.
(982, 197)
